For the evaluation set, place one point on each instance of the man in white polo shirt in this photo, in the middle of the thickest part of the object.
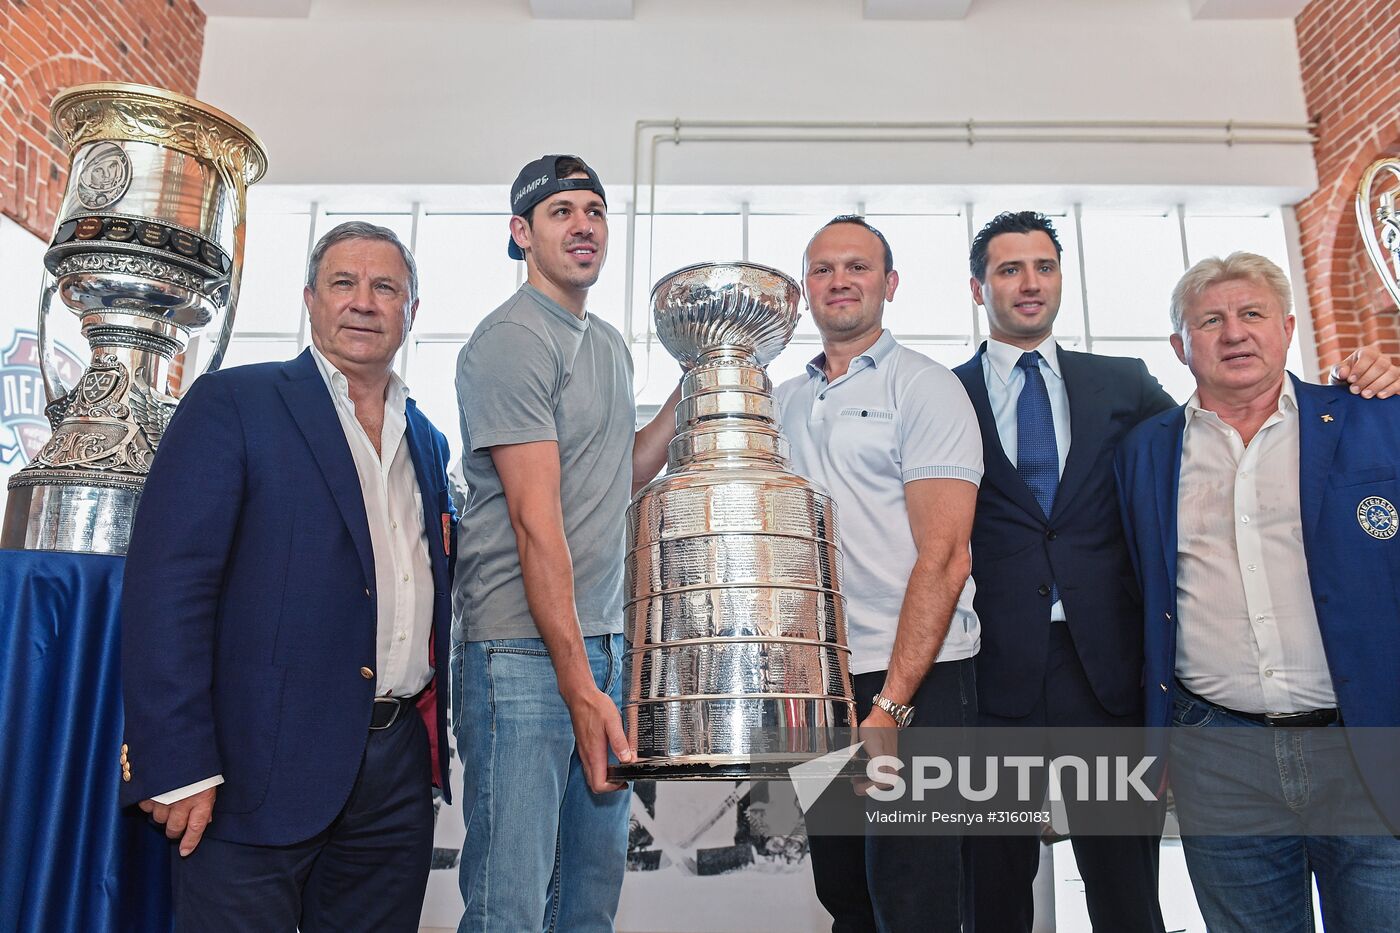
(892, 436)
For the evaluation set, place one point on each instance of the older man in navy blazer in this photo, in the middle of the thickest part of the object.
(285, 622)
(1263, 523)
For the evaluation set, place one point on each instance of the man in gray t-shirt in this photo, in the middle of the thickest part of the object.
(550, 458)
(532, 372)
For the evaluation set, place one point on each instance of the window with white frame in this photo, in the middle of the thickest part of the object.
(1119, 267)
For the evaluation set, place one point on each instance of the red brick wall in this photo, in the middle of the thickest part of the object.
(49, 45)
(1350, 56)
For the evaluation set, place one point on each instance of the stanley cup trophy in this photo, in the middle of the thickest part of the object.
(735, 617)
(147, 251)
(1383, 250)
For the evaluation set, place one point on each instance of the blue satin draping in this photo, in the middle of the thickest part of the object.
(70, 860)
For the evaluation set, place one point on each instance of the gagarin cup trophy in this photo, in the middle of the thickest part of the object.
(1383, 246)
(147, 252)
(735, 619)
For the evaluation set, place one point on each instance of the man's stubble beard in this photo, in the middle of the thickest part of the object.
(843, 325)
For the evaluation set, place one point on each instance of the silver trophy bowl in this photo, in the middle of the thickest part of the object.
(737, 655)
(715, 309)
(147, 253)
(1379, 221)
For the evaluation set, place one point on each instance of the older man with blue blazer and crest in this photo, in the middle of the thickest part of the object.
(1261, 517)
(285, 621)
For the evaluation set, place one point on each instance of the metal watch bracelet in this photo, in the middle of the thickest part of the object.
(902, 714)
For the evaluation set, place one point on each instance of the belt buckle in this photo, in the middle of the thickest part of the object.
(1308, 718)
(398, 708)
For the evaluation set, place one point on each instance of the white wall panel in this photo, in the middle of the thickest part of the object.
(424, 92)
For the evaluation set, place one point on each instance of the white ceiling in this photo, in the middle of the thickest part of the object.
(280, 9)
(581, 9)
(916, 9)
(435, 92)
(626, 9)
(1246, 9)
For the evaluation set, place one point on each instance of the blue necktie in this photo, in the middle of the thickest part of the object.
(1037, 457)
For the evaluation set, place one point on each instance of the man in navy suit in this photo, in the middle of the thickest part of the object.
(285, 621)
(1060, 641)
(1262, 518)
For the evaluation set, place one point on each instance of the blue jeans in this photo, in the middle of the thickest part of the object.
(1246, 884)
(543, 852)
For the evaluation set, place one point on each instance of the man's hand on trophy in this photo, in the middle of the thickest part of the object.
(184, 819)
(880, 734)
(1368, 372)
(598, 728)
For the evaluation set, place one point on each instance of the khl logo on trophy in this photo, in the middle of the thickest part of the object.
(24, 427)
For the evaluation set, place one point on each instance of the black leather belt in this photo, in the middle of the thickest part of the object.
(1313, 717)
(387, 709)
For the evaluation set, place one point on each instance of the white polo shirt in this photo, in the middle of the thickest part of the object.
(896, 416)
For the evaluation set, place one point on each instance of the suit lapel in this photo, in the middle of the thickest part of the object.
(430, 484)
(1317, 446)
(307, 398)
(1166, 456)
(998, 468)
(1088, 424)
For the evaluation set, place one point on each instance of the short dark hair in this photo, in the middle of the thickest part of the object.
(360, 230)
(1008, 222)
(859, 221)
(566, 166)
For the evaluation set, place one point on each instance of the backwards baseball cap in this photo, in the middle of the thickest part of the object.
(539, 180)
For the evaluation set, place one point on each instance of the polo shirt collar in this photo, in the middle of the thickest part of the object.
(879, 351)
(1003, 357)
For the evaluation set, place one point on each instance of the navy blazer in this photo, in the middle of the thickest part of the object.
(249, 607)
(1017, 552)
(1349, 452)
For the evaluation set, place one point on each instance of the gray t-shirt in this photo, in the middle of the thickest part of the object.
(534, 372)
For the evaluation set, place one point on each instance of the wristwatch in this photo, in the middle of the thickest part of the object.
(899, 712)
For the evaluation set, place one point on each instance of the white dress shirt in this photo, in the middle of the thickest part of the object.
(1004, 380)
(1247, 632)
(403, 577)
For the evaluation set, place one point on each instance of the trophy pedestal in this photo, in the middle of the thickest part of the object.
(712, 738)
(69, 514)
(62, 614)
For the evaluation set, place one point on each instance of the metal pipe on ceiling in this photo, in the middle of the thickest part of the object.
(968, 132)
